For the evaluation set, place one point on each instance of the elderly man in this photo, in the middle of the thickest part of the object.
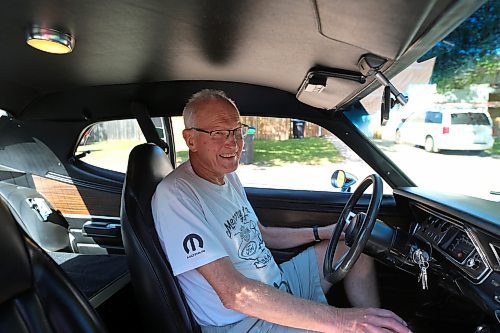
(219, 251)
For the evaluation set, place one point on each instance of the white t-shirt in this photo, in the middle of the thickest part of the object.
(198, 222)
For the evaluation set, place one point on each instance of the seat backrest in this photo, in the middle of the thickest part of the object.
(35, 295)
(162, 303)
(45, 225)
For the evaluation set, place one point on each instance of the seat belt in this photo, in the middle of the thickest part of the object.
(147, 126)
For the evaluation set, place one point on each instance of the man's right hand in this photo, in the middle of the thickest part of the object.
(262, 301)
(371, 320)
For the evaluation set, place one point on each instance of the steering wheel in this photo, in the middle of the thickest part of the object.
(357, 233)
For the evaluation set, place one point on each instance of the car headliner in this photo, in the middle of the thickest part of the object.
(124, 50)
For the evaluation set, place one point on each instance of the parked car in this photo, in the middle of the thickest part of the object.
(134, 61)
(447, 130)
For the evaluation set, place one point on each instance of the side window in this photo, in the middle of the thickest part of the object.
(469, 118)
(108, 144)
(433, 117)
(284, 153)
(181, 150)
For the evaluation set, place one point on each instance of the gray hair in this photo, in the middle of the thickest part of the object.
(204, 95)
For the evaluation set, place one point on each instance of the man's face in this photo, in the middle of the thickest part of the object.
(210, 157)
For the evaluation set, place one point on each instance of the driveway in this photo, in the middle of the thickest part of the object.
(475, 174)
(465, 173)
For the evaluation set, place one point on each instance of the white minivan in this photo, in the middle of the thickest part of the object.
(448, 130)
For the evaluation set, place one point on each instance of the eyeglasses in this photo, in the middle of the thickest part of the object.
(222, 135)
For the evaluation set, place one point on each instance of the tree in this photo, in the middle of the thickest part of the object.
(471, 53)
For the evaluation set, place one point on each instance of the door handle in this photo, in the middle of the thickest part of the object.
(102, 229)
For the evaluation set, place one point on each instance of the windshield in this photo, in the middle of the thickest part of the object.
(447, 137)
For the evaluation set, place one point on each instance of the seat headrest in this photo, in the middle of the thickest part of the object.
(15, 272)
(147, 166)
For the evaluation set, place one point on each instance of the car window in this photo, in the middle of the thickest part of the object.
(284, 153)
(108, 144)
(433, 117)
(469, 118)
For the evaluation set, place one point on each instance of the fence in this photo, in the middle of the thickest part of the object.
(115, 130)
(268, 128)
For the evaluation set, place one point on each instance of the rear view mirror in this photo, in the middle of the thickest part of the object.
(386, 106)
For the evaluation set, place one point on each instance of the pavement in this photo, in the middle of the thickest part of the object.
(474, 174)
(299, 176)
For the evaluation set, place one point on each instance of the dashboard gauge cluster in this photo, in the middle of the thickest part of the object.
(454, 241)
(433, 229)
(457, 244)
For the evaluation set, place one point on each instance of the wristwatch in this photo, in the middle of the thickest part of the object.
(316, 234)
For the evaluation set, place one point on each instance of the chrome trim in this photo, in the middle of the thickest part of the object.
(477, 245)
(83, 216)
(495, 252)
(82, 183)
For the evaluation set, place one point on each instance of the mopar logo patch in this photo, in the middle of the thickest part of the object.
(193, 243)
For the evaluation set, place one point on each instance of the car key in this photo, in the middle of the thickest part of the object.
(421, 258)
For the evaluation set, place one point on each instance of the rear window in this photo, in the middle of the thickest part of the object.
(469, 118)
(433, 117)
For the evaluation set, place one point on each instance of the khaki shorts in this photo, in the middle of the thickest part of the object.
(303, 278)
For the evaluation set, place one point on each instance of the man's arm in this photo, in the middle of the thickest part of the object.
(259, 300)
(285, 238)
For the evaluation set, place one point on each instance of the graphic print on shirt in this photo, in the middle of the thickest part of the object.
(283, 285)
(251, 246)
(193, 245)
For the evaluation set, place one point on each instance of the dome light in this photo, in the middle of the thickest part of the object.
(50, 40)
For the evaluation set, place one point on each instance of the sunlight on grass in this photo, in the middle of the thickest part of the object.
(181, 156)
(495, 150)
(110, 145)
(311, 151)
(112, 154)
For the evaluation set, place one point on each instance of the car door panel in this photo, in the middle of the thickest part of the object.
(74, 198)
(92, 211)
(294, 208)
(277, 207)
(306, 208)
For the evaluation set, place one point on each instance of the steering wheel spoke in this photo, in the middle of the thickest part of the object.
(358, 231)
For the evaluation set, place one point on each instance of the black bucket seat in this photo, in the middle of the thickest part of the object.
(160, 298)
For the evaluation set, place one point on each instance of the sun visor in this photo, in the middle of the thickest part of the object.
(325, 89)
(383, 27)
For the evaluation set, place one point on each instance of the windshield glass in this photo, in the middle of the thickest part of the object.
(447, 137)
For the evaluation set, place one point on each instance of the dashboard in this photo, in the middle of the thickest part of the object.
(453, 240)
(462, 237)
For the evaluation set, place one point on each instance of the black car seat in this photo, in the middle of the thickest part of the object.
(45, 225)
(35, 295)
(160, 298)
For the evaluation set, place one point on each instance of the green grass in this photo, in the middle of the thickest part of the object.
(495, 150)
(112, 154)
(110, 145)
(181, 156)
(311, 151)
(306, 151)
